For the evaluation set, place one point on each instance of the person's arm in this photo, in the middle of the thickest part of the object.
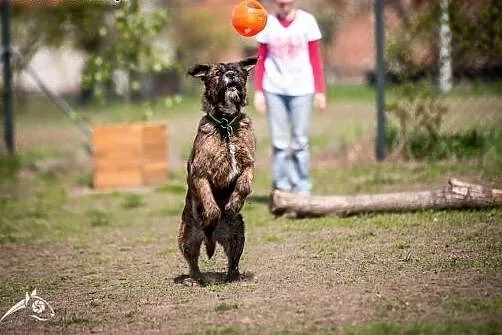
(259, 97)
(317, 66)
(260, 66)
(318, 72)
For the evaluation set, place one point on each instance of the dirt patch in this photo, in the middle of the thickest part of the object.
(307, 278)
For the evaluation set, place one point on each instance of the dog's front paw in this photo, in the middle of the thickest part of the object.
(211, 217)
(234, 205)
(212, 214)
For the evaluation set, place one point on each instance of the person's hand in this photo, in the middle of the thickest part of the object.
(259, 102)
(320, 101)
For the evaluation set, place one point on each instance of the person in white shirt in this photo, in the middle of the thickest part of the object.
(288, 79)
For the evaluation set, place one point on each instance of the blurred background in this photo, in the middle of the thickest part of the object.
(116, 61)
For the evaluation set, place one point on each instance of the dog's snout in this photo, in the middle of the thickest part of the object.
(230, 74)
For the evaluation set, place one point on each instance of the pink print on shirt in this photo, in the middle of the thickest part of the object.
(287, 48)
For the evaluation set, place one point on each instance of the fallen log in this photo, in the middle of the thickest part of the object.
(457, 194)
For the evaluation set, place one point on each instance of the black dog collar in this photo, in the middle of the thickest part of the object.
(225, 124)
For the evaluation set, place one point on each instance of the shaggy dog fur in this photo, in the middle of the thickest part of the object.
(220, 168)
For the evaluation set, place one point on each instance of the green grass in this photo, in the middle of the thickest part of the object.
(450, 328)
(347, 92)
(98, 217)
(223, 307)
(172, 188)
(272, 239)
(17, 287)
(41, 209)
(466, 91)
(490, 304)
(425, 329)
(367, 93)
(72, 319)
(132, 201)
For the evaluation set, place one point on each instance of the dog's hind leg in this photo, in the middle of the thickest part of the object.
(189, 241)
(230, 235)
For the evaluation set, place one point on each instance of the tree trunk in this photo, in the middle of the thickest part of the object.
(456, 194)
(445, 64)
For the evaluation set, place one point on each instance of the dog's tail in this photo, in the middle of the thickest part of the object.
(210, 245)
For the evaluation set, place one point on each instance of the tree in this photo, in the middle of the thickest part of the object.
(127, 51)
(118, 39)
(69, 23)
(476, 31)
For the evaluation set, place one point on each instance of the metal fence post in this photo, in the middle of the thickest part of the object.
(7, 77)
(380, 80)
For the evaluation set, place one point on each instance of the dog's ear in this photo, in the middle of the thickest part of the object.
(248, 63)
(199, 70)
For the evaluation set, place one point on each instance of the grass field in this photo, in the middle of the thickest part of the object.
(108, 262)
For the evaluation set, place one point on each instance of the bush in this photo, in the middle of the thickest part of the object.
(419, 117)
(465, 145)
(414, 130)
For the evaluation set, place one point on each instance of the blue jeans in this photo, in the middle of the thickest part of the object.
(289, 122)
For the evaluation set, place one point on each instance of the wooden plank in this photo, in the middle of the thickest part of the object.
(155, 173)
(117, 155)
(118, 179)
(130, 154)
(154, 160)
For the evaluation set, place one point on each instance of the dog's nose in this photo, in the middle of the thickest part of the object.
(230, 74)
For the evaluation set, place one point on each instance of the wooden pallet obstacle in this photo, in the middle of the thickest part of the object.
(130, 155)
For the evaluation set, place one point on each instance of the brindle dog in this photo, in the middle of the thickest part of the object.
(220, 168)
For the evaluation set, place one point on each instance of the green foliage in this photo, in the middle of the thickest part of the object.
(71, 23)
(128, 50)
(476, 32)
(468, 144)
(419, 115)
(476, 38)
(415, 129)
(118, 39)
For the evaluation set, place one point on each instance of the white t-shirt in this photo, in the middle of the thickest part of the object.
(288, 69)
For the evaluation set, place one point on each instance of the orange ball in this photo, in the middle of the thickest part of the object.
(249, 17)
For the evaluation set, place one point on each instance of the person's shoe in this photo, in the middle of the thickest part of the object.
(275, 188)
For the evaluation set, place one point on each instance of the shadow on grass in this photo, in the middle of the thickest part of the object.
(214, 278)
